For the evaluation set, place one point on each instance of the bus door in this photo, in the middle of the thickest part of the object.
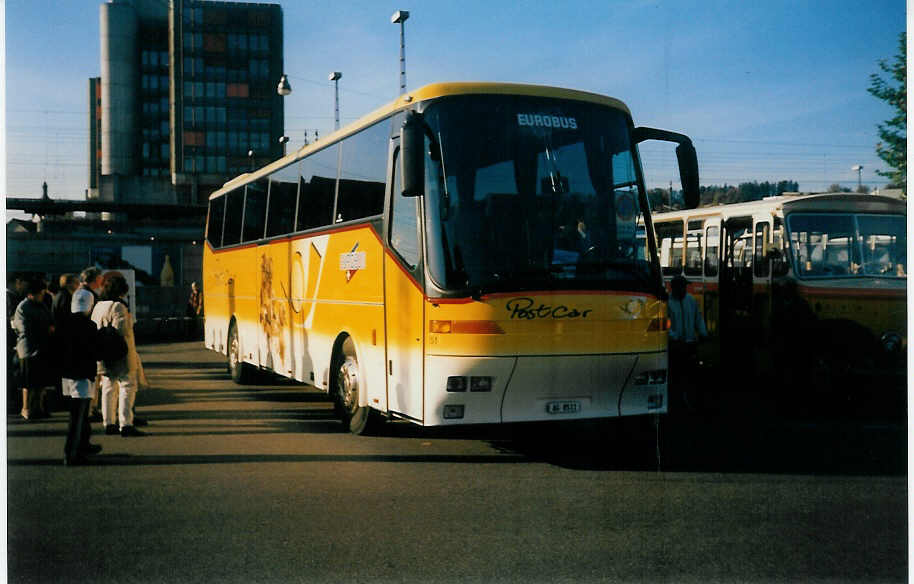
(761, 271)
(404, 301)
(735, 287)
(711, 287)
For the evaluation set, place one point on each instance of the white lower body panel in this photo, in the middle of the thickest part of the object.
(539, 388)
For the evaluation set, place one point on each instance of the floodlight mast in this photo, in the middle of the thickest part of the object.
(335, 77)
(400, 17)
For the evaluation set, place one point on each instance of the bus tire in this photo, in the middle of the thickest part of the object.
(357, 419)
(238, 369)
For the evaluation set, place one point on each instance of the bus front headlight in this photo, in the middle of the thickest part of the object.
(655, 377)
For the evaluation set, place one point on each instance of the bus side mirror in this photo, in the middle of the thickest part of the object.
(688, 173)
(412, 155)
(685, 156)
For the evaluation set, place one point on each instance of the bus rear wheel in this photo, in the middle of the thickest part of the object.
(239, 370)
(358, 419)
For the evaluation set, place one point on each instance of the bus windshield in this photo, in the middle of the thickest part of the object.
(844, 245)
(532, 193)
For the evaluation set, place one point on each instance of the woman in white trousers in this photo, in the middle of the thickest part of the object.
(118, 379)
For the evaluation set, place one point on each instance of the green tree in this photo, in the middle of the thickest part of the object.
(892, 147)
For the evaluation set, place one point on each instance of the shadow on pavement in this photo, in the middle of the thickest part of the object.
(168, 460)
(736, 444)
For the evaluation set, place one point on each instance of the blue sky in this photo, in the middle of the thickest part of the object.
(769, 90)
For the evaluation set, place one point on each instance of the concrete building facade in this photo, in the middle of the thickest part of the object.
(187, 89)
(187, 97)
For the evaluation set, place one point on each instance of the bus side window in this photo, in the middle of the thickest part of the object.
(234, 208)
(282, 201)
(741, 262)
(761, 252)
(318, 184)
(214, 223)
(779, 265)
(670, 242)
(693, 249)
(711, 254)
(404, 221)
(255, 210)
(363, 172)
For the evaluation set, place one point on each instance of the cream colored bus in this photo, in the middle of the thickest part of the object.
(467, 254)
(806, 288)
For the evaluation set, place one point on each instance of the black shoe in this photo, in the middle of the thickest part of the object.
(137, 421)
(91, 449)
(111, 429)
(127, 431)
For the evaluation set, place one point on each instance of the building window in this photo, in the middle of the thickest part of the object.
(237, 90)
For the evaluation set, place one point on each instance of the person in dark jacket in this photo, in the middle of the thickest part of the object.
(60, 308)
(78, 361)
(90, 280)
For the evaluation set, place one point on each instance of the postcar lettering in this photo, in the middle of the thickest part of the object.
(523, 309)
(547, 121)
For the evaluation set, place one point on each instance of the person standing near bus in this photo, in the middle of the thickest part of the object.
(687, 328)
(78, 362)
(118, 379)
(34, 326)
(15, 291)
(84, 299)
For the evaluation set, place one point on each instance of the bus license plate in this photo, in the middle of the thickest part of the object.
(563, 407)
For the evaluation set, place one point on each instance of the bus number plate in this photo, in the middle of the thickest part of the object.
(563, 407)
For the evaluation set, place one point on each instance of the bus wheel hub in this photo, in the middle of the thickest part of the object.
(349, 384)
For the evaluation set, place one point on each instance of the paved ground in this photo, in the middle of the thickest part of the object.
(258, 484)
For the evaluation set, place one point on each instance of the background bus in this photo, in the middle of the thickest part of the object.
(799, 291)
(466, 254)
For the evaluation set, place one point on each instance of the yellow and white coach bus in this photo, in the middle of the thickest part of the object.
(812, 287)
(466, 254)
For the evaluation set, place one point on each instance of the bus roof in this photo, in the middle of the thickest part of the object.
(792, 202)
(432, 91)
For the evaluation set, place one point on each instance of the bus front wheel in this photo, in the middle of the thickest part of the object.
(239, 370)
(359, 419)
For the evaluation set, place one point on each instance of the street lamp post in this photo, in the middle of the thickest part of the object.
(400, 17)
(284, 88)
(859, 169)
(251, 157)
(335, 77)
